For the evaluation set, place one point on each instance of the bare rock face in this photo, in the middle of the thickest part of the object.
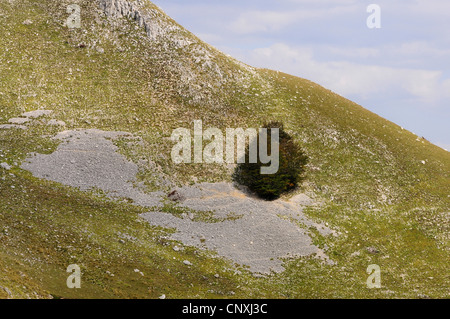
(156, 24)
(134, 10)
(160, 27)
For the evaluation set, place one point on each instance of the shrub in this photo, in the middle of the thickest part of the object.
(291, 168)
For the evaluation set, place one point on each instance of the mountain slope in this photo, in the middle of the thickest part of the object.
(381, 186)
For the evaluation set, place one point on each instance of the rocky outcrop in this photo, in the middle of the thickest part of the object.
(138, 11)
(122, 8)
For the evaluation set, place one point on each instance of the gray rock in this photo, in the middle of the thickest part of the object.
(187, 262)
(87, 159)
(265, 224)
(37, 113)
(54, 122)
(12, 126)
(19, 120)
(5, 166)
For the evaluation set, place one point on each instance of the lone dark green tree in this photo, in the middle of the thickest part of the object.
(292, 163)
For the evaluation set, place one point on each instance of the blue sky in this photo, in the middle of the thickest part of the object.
(400, 71)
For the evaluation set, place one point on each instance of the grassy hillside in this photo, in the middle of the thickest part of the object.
(381, 186)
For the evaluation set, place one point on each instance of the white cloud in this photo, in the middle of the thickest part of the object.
(348, 78)
(269, 21)
(418, 48)
(352, 52)
(431, 7)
